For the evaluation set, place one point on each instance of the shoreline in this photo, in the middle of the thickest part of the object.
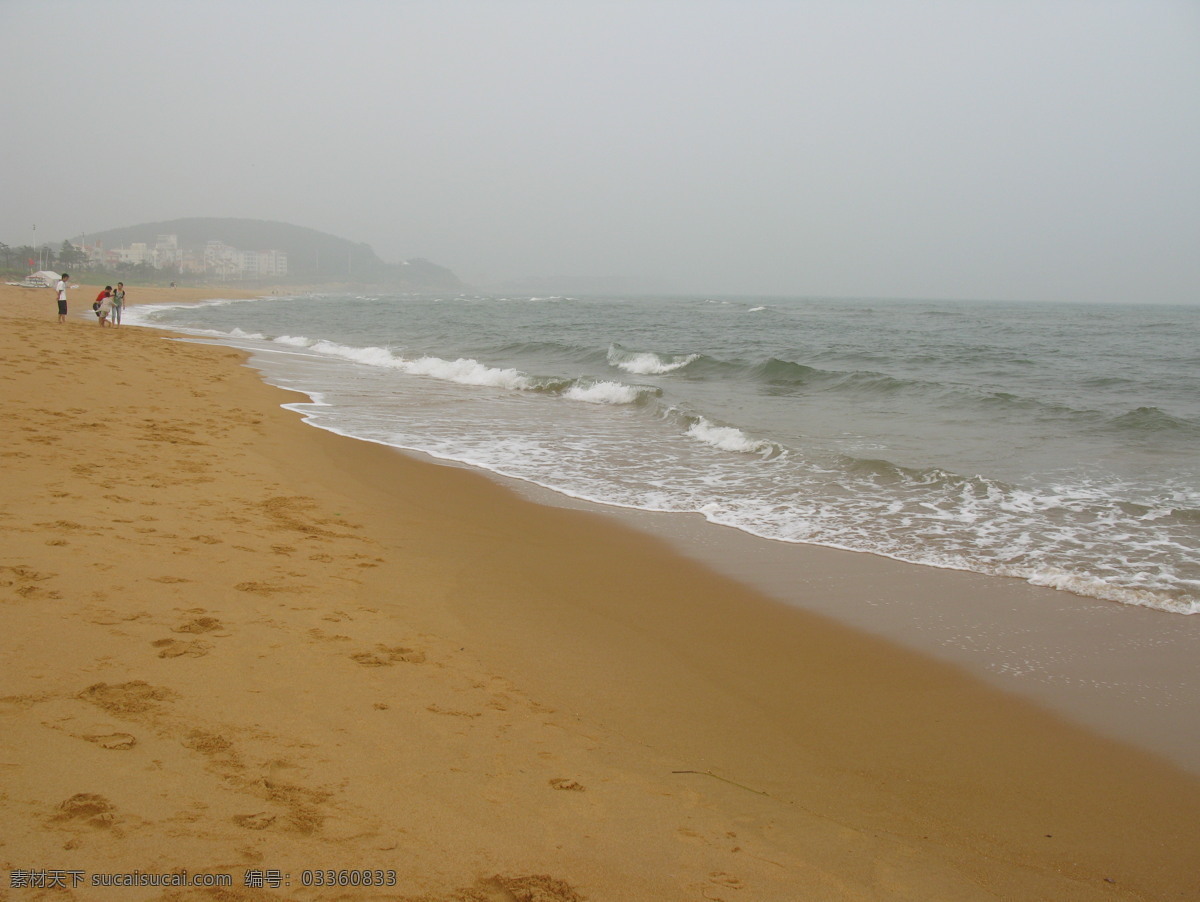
(1128, 672)
(271, 645)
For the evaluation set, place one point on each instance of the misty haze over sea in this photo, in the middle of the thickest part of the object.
(1037, 150)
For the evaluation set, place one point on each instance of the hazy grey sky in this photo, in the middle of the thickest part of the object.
(1026, 149)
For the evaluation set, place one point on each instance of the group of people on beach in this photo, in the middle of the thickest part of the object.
(108, 305)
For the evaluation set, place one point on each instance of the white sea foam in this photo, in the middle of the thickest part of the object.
(380, 357)
(727, 438)
(215, 333)
(647, 363)
(464, 371)
(1082, 584)
(468, 372)
(603, 393)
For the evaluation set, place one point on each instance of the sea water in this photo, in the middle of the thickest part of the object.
(1056, 443)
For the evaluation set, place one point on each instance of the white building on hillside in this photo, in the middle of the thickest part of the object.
(222, 260)
(216, 258)
(167, 253)
(136, 254)
(264, 263)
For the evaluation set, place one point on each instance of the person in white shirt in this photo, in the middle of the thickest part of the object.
(61, 288)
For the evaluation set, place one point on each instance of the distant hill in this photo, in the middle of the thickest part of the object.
(313, 256)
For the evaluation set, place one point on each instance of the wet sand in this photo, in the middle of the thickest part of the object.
(235, 644)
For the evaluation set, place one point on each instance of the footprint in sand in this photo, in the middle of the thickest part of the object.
(198, 625)
(173, 648)
(169, 434)
(23, 582)
(323, 636)
(301, 807)
(259, 821)
(450, 712)
(718, 882)
(119, 742)
(88, 808)
(108, 617)
(386, 656)
(60, 524)
(134, 697)
(219, 750)
(261, 588)
(723, 879)
(540, 887)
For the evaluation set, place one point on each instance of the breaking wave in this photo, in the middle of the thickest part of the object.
(730, 438)
(648, 363)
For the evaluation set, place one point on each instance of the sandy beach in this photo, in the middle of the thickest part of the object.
(237, 645)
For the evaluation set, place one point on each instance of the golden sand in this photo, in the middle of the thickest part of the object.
(234, 644)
